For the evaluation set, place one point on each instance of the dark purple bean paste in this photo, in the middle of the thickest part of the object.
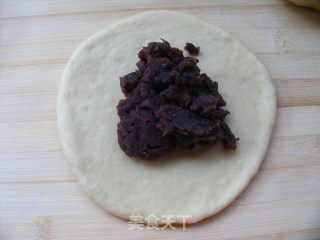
(192, 49)
(169, 105)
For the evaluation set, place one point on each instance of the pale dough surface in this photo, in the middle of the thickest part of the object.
(198, 184)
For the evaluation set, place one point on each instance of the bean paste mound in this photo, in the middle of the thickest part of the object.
(169, 105)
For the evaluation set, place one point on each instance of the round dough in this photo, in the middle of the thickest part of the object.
(198, 184)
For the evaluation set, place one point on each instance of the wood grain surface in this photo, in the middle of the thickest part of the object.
(40, 198)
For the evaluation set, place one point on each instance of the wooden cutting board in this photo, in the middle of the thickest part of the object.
(40, 198)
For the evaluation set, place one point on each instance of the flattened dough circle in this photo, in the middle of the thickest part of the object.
(183, 183)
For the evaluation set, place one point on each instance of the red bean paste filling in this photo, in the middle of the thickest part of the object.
(169, 105)
(192, 49)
